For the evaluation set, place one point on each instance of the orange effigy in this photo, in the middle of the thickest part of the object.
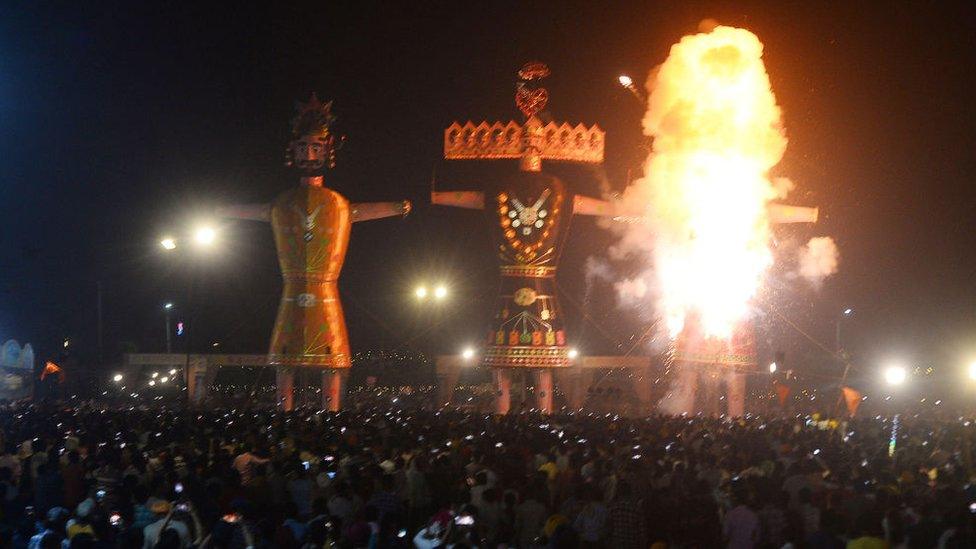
(311, 225)
(311, 229)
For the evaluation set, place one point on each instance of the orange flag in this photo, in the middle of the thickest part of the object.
(853, 399)
(783, 392)
(51, 369)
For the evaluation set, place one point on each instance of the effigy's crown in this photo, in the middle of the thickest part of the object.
(313, 145)
(531, 141)
(312, 118)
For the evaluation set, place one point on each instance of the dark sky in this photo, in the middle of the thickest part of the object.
(124, 121)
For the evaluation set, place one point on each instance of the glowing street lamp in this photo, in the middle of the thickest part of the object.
(168, 243)
(152, 382)
(772, 367)
(117, 378)
(164, 379)
(972, 371)
(155, 375)
(895, 375)
(628, 83)
(468, 353)
(440, 292)
(420, 292)
(573, 353)
(168, 306)
(205, 236)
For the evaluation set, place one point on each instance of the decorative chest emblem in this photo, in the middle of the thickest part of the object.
(525, 297)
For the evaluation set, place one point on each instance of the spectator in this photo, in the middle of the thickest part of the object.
(165, 523)
(624, 521)
(246, 463)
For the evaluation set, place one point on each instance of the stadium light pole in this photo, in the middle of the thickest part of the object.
(167, 309)
(845, 314)
(204, 237)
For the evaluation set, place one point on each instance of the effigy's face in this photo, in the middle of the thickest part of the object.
(309, 153)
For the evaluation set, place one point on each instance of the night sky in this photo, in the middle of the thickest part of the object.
(124, 122)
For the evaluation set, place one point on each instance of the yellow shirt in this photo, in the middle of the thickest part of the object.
(867, 542)
(550, 470)
(77, 528)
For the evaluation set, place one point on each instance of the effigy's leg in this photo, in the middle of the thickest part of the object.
(448, 373)
(645, 393)
(503, 383)
(286, 388)
(333, 383)
(736, 394)
(570, 380)
(543, 390)
(687, 390)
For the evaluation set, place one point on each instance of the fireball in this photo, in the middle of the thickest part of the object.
(717, 131)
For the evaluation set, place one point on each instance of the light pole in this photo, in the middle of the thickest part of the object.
(203, 237)
(845, 314)
(168, 307)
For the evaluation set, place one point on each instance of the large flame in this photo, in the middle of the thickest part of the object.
(717, 132)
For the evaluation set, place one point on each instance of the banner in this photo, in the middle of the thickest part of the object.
(853, 399)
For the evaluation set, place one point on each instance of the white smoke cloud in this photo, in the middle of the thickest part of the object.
(631, 289)
(818, 259)
(598, 269)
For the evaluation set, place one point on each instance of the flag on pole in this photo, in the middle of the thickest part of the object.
(52, 369)
(853, 399)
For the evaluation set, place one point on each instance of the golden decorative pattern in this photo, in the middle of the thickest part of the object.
(484, 141)
(528, 271)
(526, 357)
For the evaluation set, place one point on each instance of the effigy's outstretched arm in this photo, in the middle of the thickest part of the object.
(247, 212)
(365, 211)
(781, 213)
(472, 200)
(584, 205)
(778, 213)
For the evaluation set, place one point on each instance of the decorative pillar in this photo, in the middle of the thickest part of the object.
(199, 377)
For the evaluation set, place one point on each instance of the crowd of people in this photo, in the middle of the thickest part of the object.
(157, 477)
